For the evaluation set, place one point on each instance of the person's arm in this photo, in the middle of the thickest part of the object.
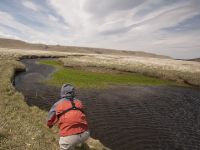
(52, 118)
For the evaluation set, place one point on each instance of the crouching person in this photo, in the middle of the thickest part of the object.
(69, 115)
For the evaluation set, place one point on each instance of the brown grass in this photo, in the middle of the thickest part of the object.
(21, 127)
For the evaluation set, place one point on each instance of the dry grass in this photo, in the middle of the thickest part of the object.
(16, 53)
(177, 70)
(21, 127)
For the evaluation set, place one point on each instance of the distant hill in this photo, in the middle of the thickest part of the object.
(195, 59)
(17, 44)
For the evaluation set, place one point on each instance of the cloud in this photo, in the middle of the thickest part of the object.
(53, 18)
(32, 34)
(105, 7)
(158, 26)
(30, 5)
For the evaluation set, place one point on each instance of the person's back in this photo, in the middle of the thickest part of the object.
(73, 121)
(68, 113)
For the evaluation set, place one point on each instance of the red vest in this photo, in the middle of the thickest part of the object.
(73, 121)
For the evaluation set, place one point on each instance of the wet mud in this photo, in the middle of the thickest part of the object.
(126, 117)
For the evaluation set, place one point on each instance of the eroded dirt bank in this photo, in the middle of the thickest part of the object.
(126, 118)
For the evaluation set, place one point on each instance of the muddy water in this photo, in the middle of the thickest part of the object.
(127, 118)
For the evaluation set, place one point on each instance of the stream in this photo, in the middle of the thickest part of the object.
(125, 117)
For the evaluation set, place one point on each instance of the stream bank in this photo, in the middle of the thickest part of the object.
(125, 117)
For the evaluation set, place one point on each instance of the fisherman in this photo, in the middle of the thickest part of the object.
(69, 115)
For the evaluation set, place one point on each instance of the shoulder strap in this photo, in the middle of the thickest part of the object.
(72, 108)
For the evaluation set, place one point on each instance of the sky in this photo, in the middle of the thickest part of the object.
(167, 27)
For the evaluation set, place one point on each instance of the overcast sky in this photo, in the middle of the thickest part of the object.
(169, 27)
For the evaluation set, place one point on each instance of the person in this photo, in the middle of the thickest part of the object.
(69, 115)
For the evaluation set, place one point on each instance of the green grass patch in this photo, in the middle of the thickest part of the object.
(54, 63)
(83, 78)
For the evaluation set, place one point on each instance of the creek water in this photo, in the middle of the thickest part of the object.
(126, 117)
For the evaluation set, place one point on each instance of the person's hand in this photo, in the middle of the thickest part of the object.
(50, 126)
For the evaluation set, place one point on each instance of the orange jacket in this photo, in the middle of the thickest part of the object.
(71, 122)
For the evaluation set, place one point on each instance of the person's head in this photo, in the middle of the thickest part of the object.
(67, 91)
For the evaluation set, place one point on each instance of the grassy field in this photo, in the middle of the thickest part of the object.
(175, 70)
(84, 78)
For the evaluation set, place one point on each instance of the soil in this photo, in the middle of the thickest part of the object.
(126, 117)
